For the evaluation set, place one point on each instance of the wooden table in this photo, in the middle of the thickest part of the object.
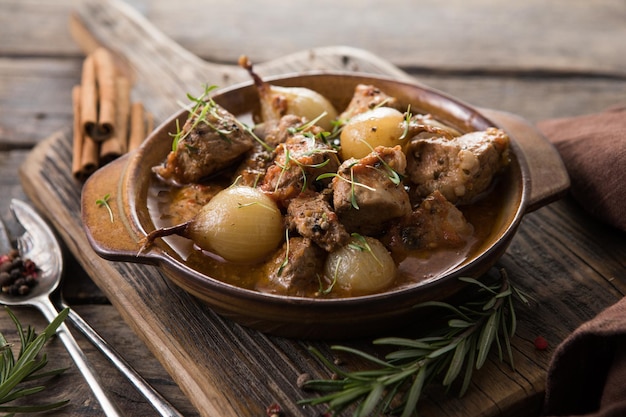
(535, 59)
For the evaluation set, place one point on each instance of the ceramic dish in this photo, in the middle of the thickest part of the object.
(536, 176)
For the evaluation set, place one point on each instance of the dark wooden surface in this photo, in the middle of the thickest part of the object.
(533, 59)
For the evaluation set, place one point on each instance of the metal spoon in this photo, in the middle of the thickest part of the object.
(40, 247)
(39, 244)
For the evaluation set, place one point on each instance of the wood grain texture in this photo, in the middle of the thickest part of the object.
(24, 122)
(82, 402)
(535, 59)
(230, 370)
(570, 36)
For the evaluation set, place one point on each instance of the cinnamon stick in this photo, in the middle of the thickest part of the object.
(89, 158)
(77, 137)
(106, 124)
(137, 126)
(84, 150)
(123, 111)
(105, 78)
(149, 123)
(88, 97)
(117, 145)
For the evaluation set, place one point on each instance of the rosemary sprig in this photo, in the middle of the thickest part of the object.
(27, 366)
(397, 381)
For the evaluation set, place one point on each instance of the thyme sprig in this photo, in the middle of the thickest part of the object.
(396, 383)
(308, 125)
(331, 285)
(353, 183)
(302, 166)
(104, 202)
(407, 123)
(360, 244)
(27, 366)
(203, 106)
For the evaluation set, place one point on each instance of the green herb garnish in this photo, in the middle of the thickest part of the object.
(353, 183)
(104, 202)
(360, 244)
(396, 383)
(204, 106)
(289, 160)
(27, 366)
(407, 123)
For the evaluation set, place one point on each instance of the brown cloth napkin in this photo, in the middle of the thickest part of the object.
(587, 375)
(593, 148)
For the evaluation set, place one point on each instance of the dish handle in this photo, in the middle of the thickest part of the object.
(105, 214)
(548, 176)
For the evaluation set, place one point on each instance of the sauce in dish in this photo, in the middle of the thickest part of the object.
(311, 201)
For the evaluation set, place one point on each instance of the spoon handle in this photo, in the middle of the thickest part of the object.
(50, 312)
(157, 401)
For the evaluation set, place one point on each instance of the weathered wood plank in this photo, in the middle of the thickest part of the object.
(24, 121)
(559, 36)
(117, 333)
(35, 98)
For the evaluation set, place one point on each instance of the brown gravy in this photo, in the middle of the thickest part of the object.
(169, 205)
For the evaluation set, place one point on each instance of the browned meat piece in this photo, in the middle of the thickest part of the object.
(275, 132)
(367, 195)
(436, 223)
(298, 163)
(298, 276)
(183, 203)
(252, 170)
(256, 162)
(311, 215)
(426, 126)
(365, 98)
(206, 146)
(460, 168)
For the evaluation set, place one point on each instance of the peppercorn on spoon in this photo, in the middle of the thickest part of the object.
(39, 244)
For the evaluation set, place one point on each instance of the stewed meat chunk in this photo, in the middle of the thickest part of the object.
(298, 163)
(426, 126)
(435, 224)
(257, 160)
(294, 269)
(369, 192)
(275, 132)
(252, 169)
(461, 168)
(209, 142)
(366, 97)
(186, 201)
(311, 215)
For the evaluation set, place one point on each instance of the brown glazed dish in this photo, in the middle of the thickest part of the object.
(536, 177)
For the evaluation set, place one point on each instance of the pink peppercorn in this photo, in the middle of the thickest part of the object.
(541, 343)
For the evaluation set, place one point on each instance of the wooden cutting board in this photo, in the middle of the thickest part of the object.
(224, 369)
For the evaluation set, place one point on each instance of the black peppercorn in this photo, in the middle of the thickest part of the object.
(17, 275)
